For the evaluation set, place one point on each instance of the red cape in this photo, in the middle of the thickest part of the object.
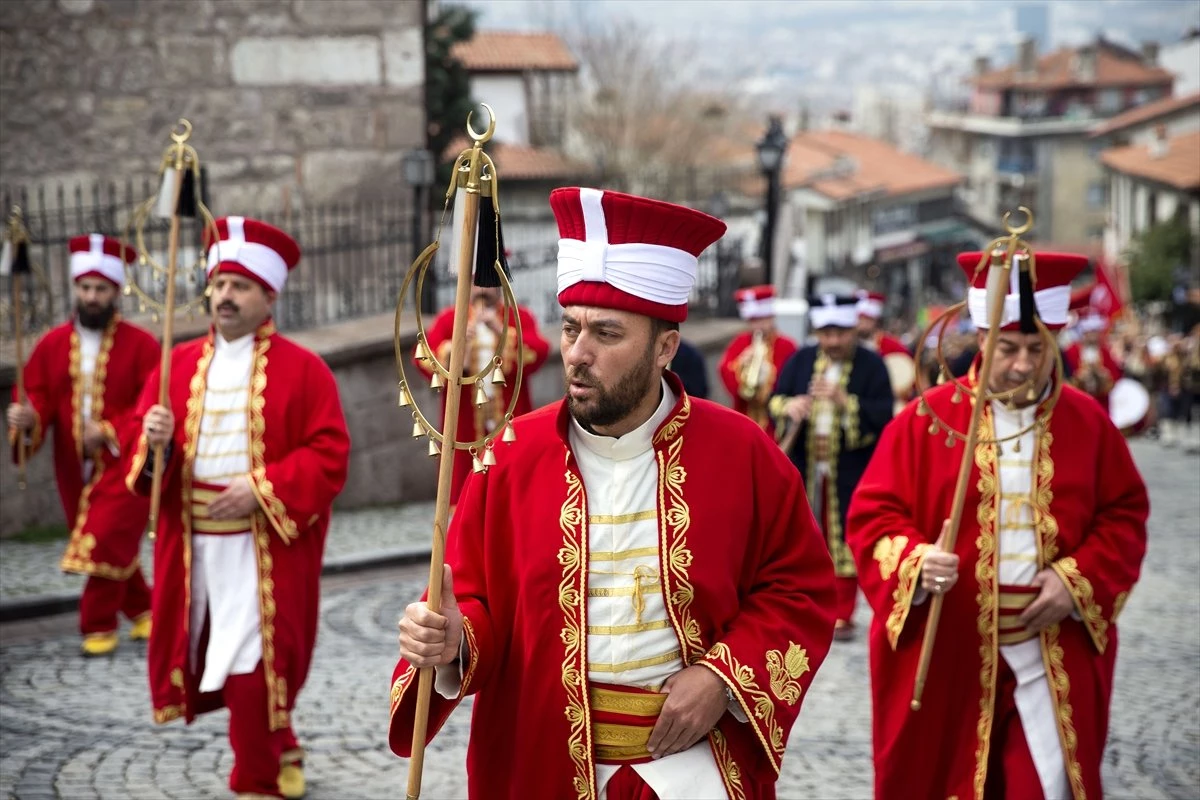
(107, 522)
(1092, 506)
(750, 596)
(299, 450)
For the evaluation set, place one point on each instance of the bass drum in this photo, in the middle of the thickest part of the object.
(902, 373)
(1129, 407)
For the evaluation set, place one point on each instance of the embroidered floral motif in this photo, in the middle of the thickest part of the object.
(1081, 591)
(1118, 605)
(731, 774)
(987, 514)
(1060, 687)
(887, 553)
(572, 600)
(906, 586)
(785, 672)
(768, 730)
(676, 519)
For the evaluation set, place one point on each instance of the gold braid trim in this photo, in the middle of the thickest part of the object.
(906, 586)
(675, 520)
(264, 490)
(746, 687)
(399, 687)
(987, 514)
(1060, 687)
(1045, 526)
(472, 656)
(731, 773)
(1085, 602)
(572, 600)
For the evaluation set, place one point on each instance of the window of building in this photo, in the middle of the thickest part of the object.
(1097, 196)
(1110, 101)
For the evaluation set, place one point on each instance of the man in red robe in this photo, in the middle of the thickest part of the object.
(756, 356)
(1093, 369)
(1051, 543)
(485, 328)
(902, 369)
(627, 631)
(83, 380)
(254, 459)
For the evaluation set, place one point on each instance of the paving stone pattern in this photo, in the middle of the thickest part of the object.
(74, 728)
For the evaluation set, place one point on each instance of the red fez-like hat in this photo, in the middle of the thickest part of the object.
(1050, 299)
(253, 249)
(629, 253)
(100, 255)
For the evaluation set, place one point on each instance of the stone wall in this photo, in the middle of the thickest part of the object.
(293, 101)
(387, 466)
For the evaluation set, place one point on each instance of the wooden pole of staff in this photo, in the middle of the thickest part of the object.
(996, 294)
(168, 334)
(441, 515)
(19, 341)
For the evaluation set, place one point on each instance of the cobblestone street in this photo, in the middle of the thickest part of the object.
(75, 728)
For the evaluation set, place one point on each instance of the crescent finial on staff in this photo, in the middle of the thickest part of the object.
(1023, 227)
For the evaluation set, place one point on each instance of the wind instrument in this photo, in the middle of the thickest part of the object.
(750, 379)
(477, 254)
(179, 197)
(1000, 258)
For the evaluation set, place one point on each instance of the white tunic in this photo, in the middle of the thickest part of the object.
(1018, 564)
(225, 568)
(630, 639)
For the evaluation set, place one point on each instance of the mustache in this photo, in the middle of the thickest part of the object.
(227, 306)
(580, 375)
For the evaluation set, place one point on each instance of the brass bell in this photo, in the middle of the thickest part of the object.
(481, 397)
(957, 397)
(1031, 395)
(477, 465)
(489, 458)
(498, 376)
(434, 450)
(941, 376)
(509, 434)
(405, 400)
(128, 290)
(933, 428)
(1017, 446)
(418, 429)
(922, 409)
(422, 352)
(437, 382)
(949, 440)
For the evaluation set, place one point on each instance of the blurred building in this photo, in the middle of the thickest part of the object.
(866, 211)
(530, 80)
(1152, 161)
(1183, 60)
(1024, 138)
(293, 102)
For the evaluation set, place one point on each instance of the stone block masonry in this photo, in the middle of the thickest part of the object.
(323, 92)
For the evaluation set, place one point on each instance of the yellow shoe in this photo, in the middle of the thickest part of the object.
(291, 781)
(100, 644)
(141, 628)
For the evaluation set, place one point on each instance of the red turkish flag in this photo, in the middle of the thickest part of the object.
(1105, 297)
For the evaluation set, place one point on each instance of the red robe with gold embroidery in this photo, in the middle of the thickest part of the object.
(732, 363)
(107, 522)
(749, 587)
(299, 450)
(473, 421)
(1092, 507)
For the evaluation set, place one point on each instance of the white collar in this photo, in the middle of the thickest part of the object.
(632, 444)
(238, 347)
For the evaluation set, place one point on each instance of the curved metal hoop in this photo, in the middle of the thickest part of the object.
(508, 308)
(146, 301)
(938, 424)
(481, 138)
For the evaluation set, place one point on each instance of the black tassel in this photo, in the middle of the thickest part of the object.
(1028, 307)
(21, 264)
(489, 252)
(187, 196)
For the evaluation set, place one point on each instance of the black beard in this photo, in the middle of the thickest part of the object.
(94, 320)
(613, 405)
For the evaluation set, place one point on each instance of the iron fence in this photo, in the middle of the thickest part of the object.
(355, 256)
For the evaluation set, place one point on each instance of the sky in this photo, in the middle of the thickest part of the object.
(789, 49)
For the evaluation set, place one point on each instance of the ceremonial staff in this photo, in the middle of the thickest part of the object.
(179, 197)
(477, 254)
(1010, 262)
(14, 261)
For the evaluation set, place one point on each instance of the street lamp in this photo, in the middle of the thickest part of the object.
(771, 149)
(417, 168)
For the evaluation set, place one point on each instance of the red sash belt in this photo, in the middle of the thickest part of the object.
(1013, 602)
(622, 719)
(203, 494)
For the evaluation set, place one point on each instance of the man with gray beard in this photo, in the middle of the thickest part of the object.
(83, 380)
